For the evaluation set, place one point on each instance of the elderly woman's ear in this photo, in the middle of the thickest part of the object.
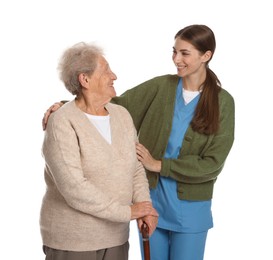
(83, 79)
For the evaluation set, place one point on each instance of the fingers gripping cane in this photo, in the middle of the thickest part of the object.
(145, 239)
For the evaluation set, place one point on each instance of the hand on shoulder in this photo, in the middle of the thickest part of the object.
(48, 112)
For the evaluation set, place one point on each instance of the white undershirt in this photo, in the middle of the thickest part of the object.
(189, 95)
(102, 123)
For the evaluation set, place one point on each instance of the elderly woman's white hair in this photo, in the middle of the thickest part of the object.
(80, 58)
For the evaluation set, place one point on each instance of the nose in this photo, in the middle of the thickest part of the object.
(176, 58)
(113, 75)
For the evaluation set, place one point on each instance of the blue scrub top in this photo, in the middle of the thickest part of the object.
(175, 214)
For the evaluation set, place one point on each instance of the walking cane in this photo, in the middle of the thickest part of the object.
(145, 239)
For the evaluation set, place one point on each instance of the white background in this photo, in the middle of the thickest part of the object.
(137, 37)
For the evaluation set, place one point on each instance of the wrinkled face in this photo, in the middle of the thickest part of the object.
(102, 80)
(188, 59)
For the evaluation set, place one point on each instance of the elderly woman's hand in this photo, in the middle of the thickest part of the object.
(142, 209)
(151, 221)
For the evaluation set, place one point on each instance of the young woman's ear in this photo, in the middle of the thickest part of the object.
(207, 56)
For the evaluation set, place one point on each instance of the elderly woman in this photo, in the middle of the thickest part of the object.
(95, 183)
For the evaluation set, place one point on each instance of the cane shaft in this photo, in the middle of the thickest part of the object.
(145, 239)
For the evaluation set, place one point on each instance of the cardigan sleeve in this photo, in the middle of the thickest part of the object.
(193, 166)
(61, 152)
(140, 185)
(141, 190)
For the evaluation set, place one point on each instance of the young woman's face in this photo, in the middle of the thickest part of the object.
(187, 59)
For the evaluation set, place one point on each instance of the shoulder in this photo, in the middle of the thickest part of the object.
(151, 87)
(225, 94)
(117, 109)
(64, 113)
(225, 97)
(120, 113)
(227, 106)
(163, 79)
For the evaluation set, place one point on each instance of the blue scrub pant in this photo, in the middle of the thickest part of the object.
(169, 245)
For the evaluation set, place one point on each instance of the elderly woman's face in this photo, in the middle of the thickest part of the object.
(102, 80)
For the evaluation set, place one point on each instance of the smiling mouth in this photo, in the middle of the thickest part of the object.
(180, 67)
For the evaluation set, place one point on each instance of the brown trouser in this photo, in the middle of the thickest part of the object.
(113, 253)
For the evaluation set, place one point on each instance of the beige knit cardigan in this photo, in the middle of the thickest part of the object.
(90, 184)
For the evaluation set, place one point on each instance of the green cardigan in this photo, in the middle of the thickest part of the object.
(202, 157)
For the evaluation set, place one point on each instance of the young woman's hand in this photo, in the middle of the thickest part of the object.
(51, 109)
(144, 156)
